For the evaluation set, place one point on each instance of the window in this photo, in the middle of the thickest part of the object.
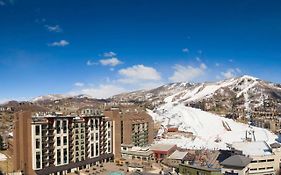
(37, 142)
(108, 147)
(92, 150)
(262, 160)
(58, 126)
(108, 124)
(64, 140)
(97, 149)
(64, 125)
(92, 136)
(58, 157)
(64, 155)
(38, 160)
(37, 130)
(108, 134)
(270, 160)
(58, 141)
(97, 124)
(97, 136)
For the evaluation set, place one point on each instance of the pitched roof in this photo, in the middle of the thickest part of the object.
(275, 145)
(237, 161)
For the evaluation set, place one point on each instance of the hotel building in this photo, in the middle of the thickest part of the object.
(57, 145)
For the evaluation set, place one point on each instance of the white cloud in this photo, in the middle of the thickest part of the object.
(230, 73)
(79, 84)
(91, 63)
(238, 70)
(109, 54)
(185, 50)
(217, 64)
(139, 72)
(187, 73)
(110, 62)
(230, 60)
(55, 28)
(101, 91)
(2, 3)
(60, 43)
(198, 59)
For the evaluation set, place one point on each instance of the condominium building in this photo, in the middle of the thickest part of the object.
(132, 126)
(57, 145)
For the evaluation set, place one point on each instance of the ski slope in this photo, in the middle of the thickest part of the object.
(205, 126)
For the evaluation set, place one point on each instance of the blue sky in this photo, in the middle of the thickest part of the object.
(104, 47)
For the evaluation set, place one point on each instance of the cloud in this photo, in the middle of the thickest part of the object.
(187, 73)
(55, 28)
(230, 73)
(230, 60)
(198, 59)
(101, 91)
(200, 52)
(110, 62)
(79, 84)
(185, 50)
(139, 72)
(109, 54)
(217, 64)
(91, 63)
(61, 43)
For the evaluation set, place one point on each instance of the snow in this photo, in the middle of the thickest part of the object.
(3, 157)
(253, 148)
(205, 126)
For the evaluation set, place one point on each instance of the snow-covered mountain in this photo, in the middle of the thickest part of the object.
(208, 130)
(244, 93)
(50, 97)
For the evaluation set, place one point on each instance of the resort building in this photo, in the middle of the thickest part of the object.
(265, 159)
(57, 145)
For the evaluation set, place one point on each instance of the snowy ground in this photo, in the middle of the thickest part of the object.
(205, 126)
(3, 157)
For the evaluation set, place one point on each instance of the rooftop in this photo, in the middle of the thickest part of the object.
(238, 161)
(178, 155)
(162, 147)
(257, 148)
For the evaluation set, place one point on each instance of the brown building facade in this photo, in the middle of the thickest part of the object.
(131, 126)
(57, 145)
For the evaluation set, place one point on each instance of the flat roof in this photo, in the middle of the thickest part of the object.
(162, 147)
(178, 155)
(257, 148)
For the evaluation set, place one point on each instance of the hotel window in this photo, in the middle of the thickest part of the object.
(37, 142)
(58, 157)
(97, 149)
(58, 141)
(96, 124)
(92, 136)
(58, 126)
(64, 140)
(64, 125)
(92, 150)
(64, 155)
(108, 124)
(108, 147)
(38, 160)
(37, 130)
(92, 124)
(97, 136)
